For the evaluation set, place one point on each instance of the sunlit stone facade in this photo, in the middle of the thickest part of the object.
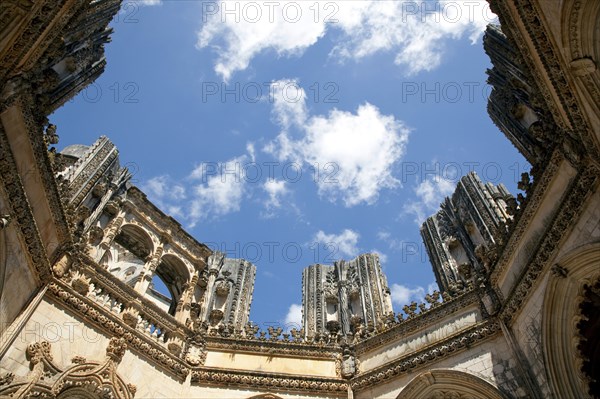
(81, 247)
(461, 239)
(347, 298)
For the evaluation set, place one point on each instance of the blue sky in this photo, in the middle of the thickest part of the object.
(311, 132)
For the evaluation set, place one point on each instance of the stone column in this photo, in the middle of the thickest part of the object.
(112, 230)
(214, 265)
(149, 269)
(185, 302)
(342, 285)
(344, 319)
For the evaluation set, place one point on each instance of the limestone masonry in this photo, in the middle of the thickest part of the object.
(81, 248)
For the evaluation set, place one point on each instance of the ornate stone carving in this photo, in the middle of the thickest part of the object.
(254, 380)
(48, 380)
(116, 349)
(337, 297)
(222, 288)
(215, 316)
(347, 363)
(440, 349)
(559, 271)
(4, 221)
(61, 267)
(80, 283)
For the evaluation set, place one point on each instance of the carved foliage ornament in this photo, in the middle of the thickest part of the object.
(47, 380)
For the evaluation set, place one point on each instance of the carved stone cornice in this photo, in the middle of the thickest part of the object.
(421, 320)
(433, 353)
(332, 387)
(21, 210)
(283, 348)
(40, 151)
(531, 19)
(524, 218)
(582, 187)
(113, 325)
(127, 295)
(137, 204)
(47, 380)
(16, 50)
(548, 55)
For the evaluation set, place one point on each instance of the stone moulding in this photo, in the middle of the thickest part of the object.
(579, 190)
(113, 325)
(415, 323)
(22, 211)
(285, 348)
(139, 206)
(416, 360)
(550, 60)
(449, 384)
(47, 380)
(272, 381)
(502, 9)
(559, 88)
(128, 295)
(44, 167)
(534, 200)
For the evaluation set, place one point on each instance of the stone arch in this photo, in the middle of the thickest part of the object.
(87, 380)
(581, 41)
(442, 384)
(135, 239)
(266, 396)
(561, 315)
(174, 274)
(77, 393)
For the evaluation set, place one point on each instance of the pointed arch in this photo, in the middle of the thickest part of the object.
(445, 383)
(174, 273)
(581, 46)
(561, 315)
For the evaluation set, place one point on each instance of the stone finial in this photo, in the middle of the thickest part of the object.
(6, 379)
(39, 350)
(81, 283)
(116, 349)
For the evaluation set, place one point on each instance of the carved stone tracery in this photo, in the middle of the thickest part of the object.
(46, 379)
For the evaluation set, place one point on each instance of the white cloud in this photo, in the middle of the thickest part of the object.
(403, 295)
(343, 244)
(129, 6)
(276, 189)
(212, 189)
(251, 151)
(393, 243)
(163, 191)
(353, 153)
(244, 37)
(218, 193)
(293, 319)
(163, 187)
(383, 258)
(415, 32)
(430, 194)
(433, 191)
